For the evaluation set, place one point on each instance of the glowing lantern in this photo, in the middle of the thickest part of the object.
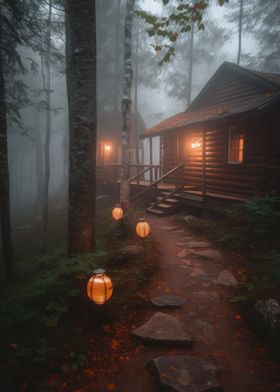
(117, 212)
(99, 287)
(143, 228)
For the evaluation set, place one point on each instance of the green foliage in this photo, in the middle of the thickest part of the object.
(253, 230)
(178, 22)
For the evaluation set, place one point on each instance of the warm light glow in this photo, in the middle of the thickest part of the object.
(196, 145)
(99, 287)
(143, 228)
(117, 213)
(107, 147)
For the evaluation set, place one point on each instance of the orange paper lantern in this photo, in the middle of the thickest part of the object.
(99, 287)
(143, 228)
(117, 212)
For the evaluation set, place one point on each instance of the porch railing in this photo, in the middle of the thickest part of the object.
(179, 181)
(111, 172)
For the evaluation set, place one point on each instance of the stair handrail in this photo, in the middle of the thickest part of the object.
(154, 184)
(140, 173)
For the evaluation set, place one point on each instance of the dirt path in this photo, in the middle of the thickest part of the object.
(220, 334)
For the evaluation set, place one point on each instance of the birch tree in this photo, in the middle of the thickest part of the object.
(81, 91)
(126, 106)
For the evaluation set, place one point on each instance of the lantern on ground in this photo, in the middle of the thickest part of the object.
(99, 287)
(117, 213)
(143, 228)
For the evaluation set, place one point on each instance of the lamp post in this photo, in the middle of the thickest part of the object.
(143, 230)
(117, 212)
(99, 287)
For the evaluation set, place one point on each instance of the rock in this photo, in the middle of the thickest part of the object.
(210, 254)
(183, 253)
(197, 272)
(267, 321)
(184, 373)
(168, 301)
(165, 330)
(187, 262)
(198, 244)
(170, 228)
(190, 219)
(226, 278)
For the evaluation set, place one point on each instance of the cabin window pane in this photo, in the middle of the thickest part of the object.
(236, 146)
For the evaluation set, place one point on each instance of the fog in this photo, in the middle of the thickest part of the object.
(161, 90)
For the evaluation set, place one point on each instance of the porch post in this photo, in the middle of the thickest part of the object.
(204, 164)
(151, 159)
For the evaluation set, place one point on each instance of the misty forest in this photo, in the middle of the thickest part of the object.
(139, 195)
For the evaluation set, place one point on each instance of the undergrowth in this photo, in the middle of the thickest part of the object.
(45, 315)
(253, 230)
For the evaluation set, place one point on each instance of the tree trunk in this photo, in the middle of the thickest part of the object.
(39, 172)
(117, 60)
(189, 97)
(126, 106)
(81, 88)
(136, 96)
(47, 87)
(240, 32)
(5, 216)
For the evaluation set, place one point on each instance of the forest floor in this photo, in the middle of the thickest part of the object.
(92, 348)
(221, 335)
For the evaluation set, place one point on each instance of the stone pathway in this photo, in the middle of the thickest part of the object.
(197, 342)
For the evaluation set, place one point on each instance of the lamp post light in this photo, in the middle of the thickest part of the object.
(117, 212)
(99, 287)
(143, 230)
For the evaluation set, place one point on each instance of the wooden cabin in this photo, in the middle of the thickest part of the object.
(226, 145)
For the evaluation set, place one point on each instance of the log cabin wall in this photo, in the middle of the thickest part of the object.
(273, 166)
(244, 180)
(256, 176)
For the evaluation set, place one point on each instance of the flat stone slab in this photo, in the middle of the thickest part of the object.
(183, 253)
(170, 228)
(186, 262)
(198, 244)
(197, 272)
(210, 254)
(184, 373)
(168, 301)
(164, 330)
(226, 278)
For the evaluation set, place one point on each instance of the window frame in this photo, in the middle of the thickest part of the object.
(229, 162)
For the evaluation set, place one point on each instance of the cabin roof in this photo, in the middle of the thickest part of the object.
(111, 122)
(232, 90)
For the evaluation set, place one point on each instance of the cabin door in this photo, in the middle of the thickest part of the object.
(190, 151)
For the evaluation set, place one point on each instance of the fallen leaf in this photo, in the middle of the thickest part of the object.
(238, 317)
(111, 387)
(13, 345)
(115, 344)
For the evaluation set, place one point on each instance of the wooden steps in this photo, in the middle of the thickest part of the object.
(166, 204)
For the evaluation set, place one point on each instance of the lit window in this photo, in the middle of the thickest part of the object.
(235, 146)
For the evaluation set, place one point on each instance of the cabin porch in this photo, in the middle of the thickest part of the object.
(164, 191)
